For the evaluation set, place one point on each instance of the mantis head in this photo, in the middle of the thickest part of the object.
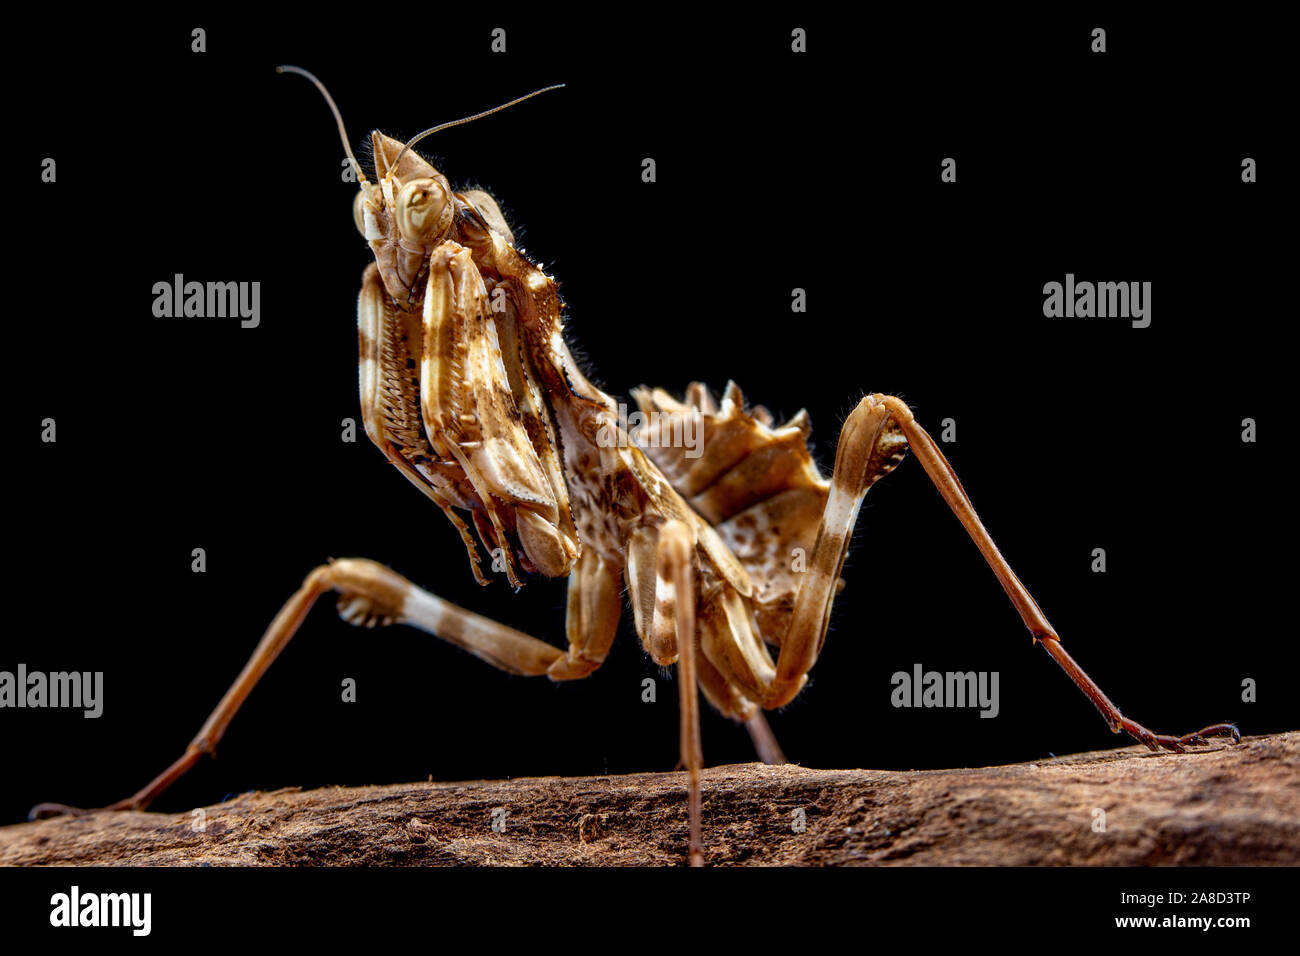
(411, 208)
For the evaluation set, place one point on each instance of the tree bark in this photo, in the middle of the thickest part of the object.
(1215, 806)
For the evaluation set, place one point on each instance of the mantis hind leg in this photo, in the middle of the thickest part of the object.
(870, 440)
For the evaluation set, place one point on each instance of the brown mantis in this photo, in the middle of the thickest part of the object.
(717, 521)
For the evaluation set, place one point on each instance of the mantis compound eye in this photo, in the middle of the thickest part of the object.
(359, 211)
(422, 210)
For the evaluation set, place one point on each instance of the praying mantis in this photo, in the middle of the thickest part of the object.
(715, 520)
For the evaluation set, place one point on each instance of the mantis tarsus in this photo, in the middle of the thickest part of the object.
(736, 543)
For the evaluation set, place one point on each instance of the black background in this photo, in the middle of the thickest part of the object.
(774, 171)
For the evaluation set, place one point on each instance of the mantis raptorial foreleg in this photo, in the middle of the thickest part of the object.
(595, 605)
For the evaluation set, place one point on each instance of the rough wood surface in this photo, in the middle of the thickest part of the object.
(1216, 806)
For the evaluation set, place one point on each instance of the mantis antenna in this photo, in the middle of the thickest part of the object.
(468, 119)
(338, 117)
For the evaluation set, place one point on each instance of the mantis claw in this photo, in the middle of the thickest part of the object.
(44, 811)
(1178, 744)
